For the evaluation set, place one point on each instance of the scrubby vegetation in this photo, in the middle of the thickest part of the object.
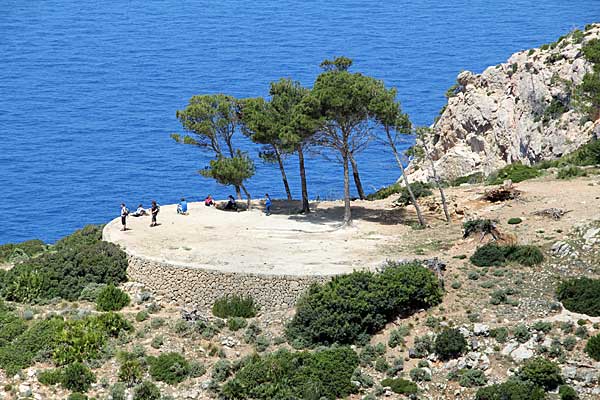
(385, 192)
(511, 390)
(111, 298)
(450, 343)
(514, 221)
(516, 172)
(580, 295)
(350, 308)
(235, 306)
(592, 347)
(493, 254)
(472, 179)
(400, 386)
(169, 367)
(13, 253)
(74, 262)
(570, 172)
(542, 372)
(419, 190)
(304, 375)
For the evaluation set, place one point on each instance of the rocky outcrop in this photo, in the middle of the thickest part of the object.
(521, 110)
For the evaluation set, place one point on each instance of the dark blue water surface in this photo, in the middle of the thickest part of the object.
(89, 89)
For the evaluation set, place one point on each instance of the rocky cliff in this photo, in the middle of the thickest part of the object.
(521, 110)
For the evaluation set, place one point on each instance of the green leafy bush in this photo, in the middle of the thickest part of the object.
(50, 377)
(541, 372)
(511, 390)
(494, 255)
(169, 367)
(15, 252)
(221, 370)
(592, 347)
(141, 316)
(566, 392)
(419, 190)
(146, 391)
(235, 306)
(111, 298)
(236, 323)
(570, 172)
(76, 261)
(349, 308)
(580, 295)
(304, 375)
(131, 371)
(419, 375)
(471, 179)
(449, 344)
(516, 172)
(469, 377)
(91, 291)
(385, 192)
(515, 221)
(77, 377)
(400, 386)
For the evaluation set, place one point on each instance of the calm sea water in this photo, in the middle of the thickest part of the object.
(89, 89)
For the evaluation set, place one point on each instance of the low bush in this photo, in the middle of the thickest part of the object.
(516, 172)
(111, 298)
(400, 386)
(385, 192)
(419, 375)
(146, 391)
(236, 323)
(541, 372)
(567, 392)
(592, 347)
(169, 367)
(580, 295)
(482, 226)
(350, 308)
(469, 377)
(304, 375)
(588, 154)
(521, 333)
(514, 221)
(15, 252)
(76, 261)
(419, 190)
(471, 179)
(50, 377)
(397, 336)
(235, 306)
(131, 371)
(77, 377)
(423, 346)
(449, 344)
(494, 255)
(91, 291)
(77, 396)
(570, 172)
(511, 390)
(221, 370)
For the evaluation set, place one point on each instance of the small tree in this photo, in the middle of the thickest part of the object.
(213, 120)
(231, 171)
(389, 115)
(421, 144)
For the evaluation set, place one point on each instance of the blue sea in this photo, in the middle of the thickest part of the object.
(89, 89)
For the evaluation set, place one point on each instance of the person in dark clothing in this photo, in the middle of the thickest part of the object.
(268, 204)
(154, 211)
(231, 204)
(124, 214)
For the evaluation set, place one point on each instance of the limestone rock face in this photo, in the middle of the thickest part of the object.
(521, 110)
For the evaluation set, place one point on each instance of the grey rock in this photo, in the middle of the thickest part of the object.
(481, 329)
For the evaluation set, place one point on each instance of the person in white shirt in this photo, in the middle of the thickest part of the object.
(124, 213)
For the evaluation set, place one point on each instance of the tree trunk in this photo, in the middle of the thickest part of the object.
(347, 210)
(437, 182)
(247, 195)
(238, 192)
(408, 188)
(305, 204)
(359, 188)
(283, 175)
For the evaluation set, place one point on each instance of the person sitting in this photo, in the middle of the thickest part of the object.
(231, 204)
(139, 212)
(209, 202)
(182, 207)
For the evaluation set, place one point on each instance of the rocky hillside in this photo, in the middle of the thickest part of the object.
(521, 110)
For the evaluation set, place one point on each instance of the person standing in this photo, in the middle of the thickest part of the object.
(124, 214)
(154, 211)
(267, 204)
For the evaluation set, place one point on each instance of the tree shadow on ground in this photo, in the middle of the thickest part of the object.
(335, 214)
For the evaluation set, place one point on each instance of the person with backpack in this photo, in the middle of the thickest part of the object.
(154, 211)
(124, 214)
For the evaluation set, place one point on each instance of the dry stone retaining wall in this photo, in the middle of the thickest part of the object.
(199, 288)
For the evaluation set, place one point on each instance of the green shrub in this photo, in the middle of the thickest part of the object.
(351, 307)
(111, 298)
(236, 323)
(234, 306)
(449, 344)
(494, 255)
(197, 369)
(15, 252)
(169, 367)
(385, 192)
(469, 377)
(91, 291)
(419, 375)
(419, 190)
(381, 365)
(400, 386)
(157, 342)
(541, 372)
(423, 346)
(570, 172)
(50, 377)
(592, 347)
(77, 377)
(580, 295)
(221, 370)
(284, 375)
(515, 221)
(483, 226)
(131, 371)
(521, 333)
(471, 179)
(397, 336)
(566, 392)
(117, 391)
(500, 334)
(76, 261)
(146, 391)
(511, 390)
(516, 172)
(141, 316)
(77, 396)
(542, 326)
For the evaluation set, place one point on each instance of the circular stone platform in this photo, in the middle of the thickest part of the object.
(195, 259)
